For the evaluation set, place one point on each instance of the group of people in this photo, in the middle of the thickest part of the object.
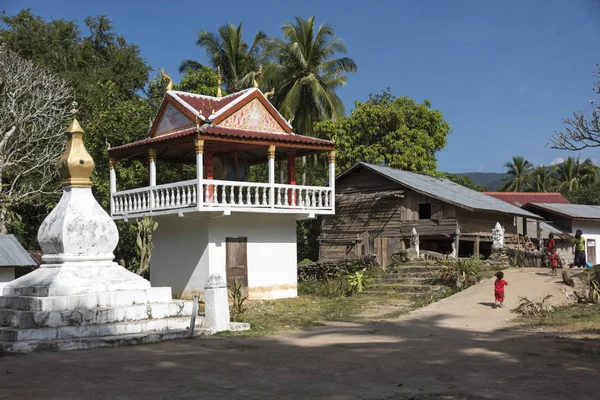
(579, 250)
(579, 262)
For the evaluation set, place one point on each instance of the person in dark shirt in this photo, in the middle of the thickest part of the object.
(499, 289)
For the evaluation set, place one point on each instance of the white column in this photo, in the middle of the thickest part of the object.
(199, 172)
(281, 175)
(152, 169)
(112, 182)
(332, 177)
(271, 153)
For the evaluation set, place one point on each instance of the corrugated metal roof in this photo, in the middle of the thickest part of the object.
(574, 211)
(12, 254)
(519, 199)
(445, 190)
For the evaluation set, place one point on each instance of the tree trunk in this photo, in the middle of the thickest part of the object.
(3, 221)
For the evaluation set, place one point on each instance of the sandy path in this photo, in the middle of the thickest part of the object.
(449, 347)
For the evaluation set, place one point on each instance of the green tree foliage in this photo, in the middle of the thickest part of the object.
(464, 181)
(396, 132)
(573, 174)
(518, 171)
(305, 73)
(239, 62)
(589, 195)
(107, 73)
(542, 179)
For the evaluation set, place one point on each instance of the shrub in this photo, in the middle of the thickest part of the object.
(238, 297)
(460, 273)
(357, 281)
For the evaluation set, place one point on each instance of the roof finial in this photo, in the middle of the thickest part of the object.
(76, 164)
(219, 94)
(270, 94)
(165, 76)
(258, 74)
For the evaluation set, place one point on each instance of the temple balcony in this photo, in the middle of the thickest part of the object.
(222, 137)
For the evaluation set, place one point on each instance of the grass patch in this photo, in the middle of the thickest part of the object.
(583, 318)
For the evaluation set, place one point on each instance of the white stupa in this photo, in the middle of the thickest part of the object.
(79, 297)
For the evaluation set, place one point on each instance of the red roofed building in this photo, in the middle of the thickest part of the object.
(519, 199)
(214, 220)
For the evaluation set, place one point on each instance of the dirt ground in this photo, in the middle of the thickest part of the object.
(458, 348)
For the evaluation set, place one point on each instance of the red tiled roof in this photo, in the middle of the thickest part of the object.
(206, 104)
(254, 135)
(156, 139)
(519, 199)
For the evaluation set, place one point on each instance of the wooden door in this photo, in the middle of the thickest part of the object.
(591, 251)
(237, 264)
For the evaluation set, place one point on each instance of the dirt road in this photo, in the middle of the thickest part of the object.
(458, 346)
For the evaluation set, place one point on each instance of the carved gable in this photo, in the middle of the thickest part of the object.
(253, 117)
(172, 120)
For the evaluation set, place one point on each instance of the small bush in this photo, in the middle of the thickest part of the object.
(357, 281)
(305, 261)
(460, 273)
(238, 297)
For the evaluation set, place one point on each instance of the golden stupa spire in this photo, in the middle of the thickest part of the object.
(166, 76)
(76, 165)
(219, 94)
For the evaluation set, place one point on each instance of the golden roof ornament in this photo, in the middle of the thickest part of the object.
(219, 94)
(164, 75)
(270, 94)
(76, 165)
(257, 74)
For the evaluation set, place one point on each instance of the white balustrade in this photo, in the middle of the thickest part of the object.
(222, 195)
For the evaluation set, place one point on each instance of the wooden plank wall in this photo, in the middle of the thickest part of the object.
(482, 223)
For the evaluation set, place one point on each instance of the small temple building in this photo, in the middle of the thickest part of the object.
(219, 221)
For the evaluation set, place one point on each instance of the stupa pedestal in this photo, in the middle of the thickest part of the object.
(79, 298)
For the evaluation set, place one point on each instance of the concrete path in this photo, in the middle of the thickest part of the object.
(455, 346)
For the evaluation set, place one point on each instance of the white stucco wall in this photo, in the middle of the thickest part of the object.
(180, 256)
(187, 249)
(591, 230)
(271, 251)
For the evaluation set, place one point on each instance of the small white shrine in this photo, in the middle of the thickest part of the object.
(79, 298)
(216, 221)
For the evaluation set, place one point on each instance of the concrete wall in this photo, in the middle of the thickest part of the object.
(7, 274)
(187, 249)
(272, 259)
(591, 230)
(180, 254)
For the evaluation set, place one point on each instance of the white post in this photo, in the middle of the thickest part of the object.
(199, 172)
(216, 304)
(112, 163)
(332, 178)
(152, 169)
(281, 172)
(271, 153)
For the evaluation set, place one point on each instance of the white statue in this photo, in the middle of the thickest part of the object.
(413, 251)
(498, 237)
(453, 254)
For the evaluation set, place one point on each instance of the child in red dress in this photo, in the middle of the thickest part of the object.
(499, 289)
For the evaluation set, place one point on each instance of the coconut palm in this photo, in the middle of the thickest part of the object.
(306, 74)
(542, 179)
(572, 174)
(518, 173)
(227, 49)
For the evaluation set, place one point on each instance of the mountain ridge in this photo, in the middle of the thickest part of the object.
(491, 180)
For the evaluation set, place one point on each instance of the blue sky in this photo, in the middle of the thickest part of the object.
(504, 73)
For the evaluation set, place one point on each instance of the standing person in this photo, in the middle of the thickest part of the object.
(552, 256)
(579, 245)
(499, 289)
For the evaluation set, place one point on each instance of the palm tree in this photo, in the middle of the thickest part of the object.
(239, 62)
(542, 179)
(306, 74)
(518, 173)
(572, 174)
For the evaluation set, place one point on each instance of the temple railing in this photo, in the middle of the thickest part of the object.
(222, 195)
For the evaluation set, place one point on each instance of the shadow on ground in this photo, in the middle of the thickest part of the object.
(410, 358)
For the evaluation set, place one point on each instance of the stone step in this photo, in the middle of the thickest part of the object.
(418, 268)
(10, 334)
(398, 275)
(51, 319)
(409, 279)
(107, 341)
(119, 298)
(406, 288)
